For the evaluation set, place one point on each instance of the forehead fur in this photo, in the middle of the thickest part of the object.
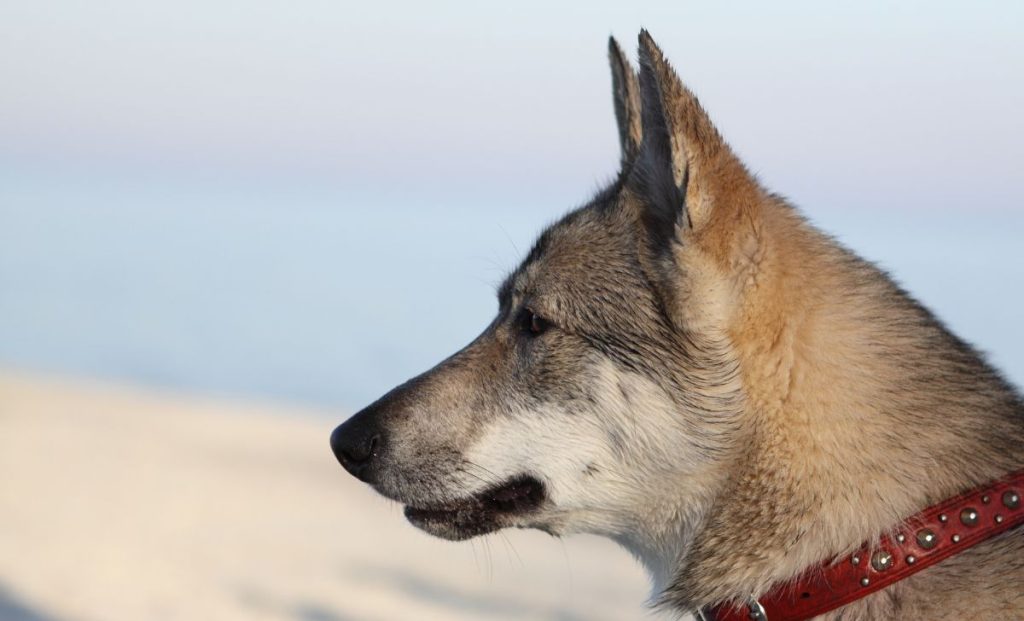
(586, 243)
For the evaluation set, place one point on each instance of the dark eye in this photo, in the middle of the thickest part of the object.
(531, 323)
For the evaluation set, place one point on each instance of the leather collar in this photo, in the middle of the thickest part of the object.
(921, 541)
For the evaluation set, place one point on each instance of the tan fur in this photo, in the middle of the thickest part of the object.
(843, 440)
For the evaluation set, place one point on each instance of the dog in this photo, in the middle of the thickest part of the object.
(687, 366)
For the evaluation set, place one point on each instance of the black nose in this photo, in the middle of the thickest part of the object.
(356, 443)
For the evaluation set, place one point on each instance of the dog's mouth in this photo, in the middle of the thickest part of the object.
(486, 512)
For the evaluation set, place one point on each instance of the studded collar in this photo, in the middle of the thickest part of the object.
(921, 540)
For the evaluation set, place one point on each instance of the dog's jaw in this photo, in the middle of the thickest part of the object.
(497, 507)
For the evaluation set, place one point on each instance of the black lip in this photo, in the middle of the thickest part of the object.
(483, 513)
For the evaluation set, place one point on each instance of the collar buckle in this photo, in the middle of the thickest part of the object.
(755, 612)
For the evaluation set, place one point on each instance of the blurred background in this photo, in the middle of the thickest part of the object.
(249, 219)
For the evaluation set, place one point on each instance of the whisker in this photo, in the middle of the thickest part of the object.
(510, 545)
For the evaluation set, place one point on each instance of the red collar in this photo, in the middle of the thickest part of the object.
(921, 541)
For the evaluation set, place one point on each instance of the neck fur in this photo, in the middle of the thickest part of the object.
(849, 419)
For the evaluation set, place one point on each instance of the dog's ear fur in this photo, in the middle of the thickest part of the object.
(681, 154)
(626, 95)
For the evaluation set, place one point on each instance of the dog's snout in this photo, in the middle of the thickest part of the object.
(357, 443)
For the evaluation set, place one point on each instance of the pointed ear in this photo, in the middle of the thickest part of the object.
(626, 94)
(681, 151)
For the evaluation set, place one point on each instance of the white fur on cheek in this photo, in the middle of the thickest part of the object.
(548, 443)
(606, 467)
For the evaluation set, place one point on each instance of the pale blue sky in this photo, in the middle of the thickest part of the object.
(312, 199)
(821, 96)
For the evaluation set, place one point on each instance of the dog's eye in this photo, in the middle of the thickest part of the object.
(531, 323)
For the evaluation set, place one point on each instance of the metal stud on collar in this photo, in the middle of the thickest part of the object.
(969, 516)
(926, 539)
(881, 560)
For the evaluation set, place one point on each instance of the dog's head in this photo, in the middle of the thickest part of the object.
(607, 377)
